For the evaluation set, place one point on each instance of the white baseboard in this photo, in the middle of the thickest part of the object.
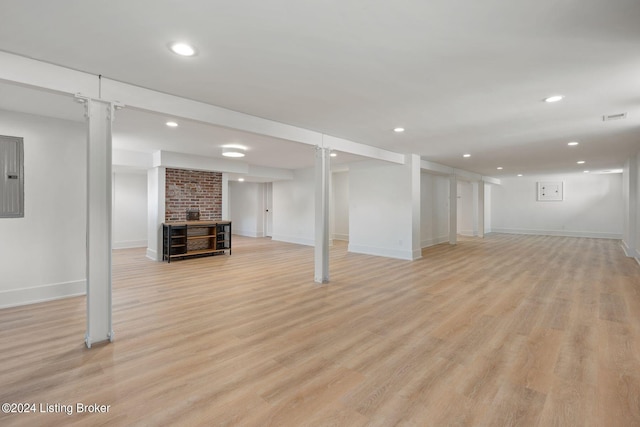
(386, 252)
(338, 236)
(468, 233)
(54, 291)
(636, 255)
(153, 255)
(249, 233)
(433, 242)
(561, 233)
(127, 244)
(293, 239)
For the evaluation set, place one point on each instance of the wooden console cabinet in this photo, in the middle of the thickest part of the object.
(195, 238)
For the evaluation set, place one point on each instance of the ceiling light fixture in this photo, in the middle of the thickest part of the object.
(554, 98)
(333, 154)
(182, 49)
(519, 174)
(233, 151)
(466, 155)
(573, 143)
(241, 179)
(398, 130)
(499, 168)
(580, 162)
(586, 171)
(172, 124)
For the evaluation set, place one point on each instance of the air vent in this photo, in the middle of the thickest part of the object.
(614, 117)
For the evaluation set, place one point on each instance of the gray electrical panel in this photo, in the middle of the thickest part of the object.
(11, 177)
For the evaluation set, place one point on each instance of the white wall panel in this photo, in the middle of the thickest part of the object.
(42, 255)
(592, 206)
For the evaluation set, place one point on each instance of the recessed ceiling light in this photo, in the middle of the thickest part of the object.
(519, 174)
(398, 130)
(499, 168)
(586, 171)
(182, 49)
(554, 98)
(580, 162)
(172, 124)
(573, 143)
(241, 179)
(333, 154)
(233, 150)
(466, 155)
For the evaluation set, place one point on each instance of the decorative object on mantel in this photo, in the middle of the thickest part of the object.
(550, 191)
(193, 214)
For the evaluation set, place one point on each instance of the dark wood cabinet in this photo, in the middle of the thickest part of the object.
(195, 238)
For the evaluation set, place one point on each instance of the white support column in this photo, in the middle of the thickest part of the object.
(474, 208)
(99, 202)
(225, 197)
(416, 242)
(480, 203)
(630, 206)
(156, 179)
(453, 209)
(323, 186)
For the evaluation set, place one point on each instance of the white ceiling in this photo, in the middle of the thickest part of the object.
(460, 76)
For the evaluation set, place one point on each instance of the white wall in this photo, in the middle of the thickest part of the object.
(340, 206)
(635, 210)
(631, 206)
(381, 209)
(42, 256)
(293, 208)
(592, 206)
(246, 201)
(129, 210)
(434, 197)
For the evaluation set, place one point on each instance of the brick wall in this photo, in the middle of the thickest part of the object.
(187, 189)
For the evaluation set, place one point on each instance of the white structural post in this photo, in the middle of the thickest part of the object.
(630, 220)
(99, 119)
(480, 213)
(225, 197)
(416, 192)
(453, 209)
(323, 184)
(156, 179)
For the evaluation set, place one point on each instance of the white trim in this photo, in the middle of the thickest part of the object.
(467, 233)
(385, 252)
(433, 242)
(563, 233)
(126, 244)
(337, 236)
(36, 294)
(152, 254)
(248, 233)
(293, 239)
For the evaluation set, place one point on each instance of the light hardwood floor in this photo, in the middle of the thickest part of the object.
(508, 330)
